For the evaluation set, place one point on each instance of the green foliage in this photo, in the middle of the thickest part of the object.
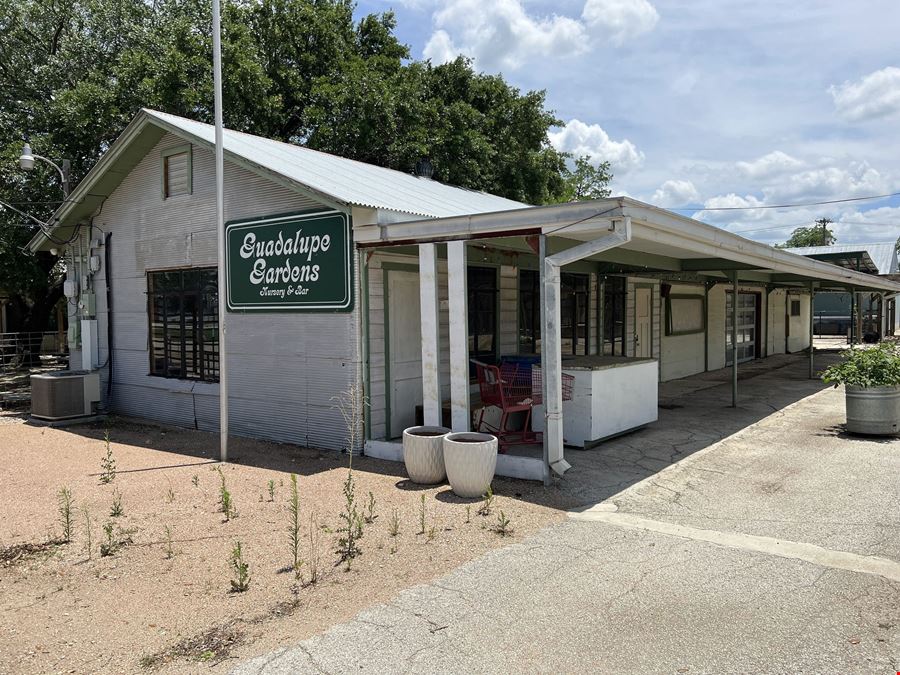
(394, 523)
(64, 505)
(877, 366)
(350, 530)
(170, 551)
(586, 181)
(422, 514)
(488, 503)
(502, 527)
(226, 502)
(240, 569)
(294, 531)
(88, 532)
(108, 462)
(271, 490)
(110, 546)
(117, 509)
(73, 73)
(814, 235)
(370, 509)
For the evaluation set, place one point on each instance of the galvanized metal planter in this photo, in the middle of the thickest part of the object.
(423, 454)
(873, 410)
(471, 459)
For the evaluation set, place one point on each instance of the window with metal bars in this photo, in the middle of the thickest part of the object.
(184, 324)
(614, 295)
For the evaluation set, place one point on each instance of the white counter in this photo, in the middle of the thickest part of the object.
(610, 395)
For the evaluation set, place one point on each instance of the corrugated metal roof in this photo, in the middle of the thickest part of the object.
(883, 254)
(346, 180)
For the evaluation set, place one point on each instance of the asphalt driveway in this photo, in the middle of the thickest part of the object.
(755, 540)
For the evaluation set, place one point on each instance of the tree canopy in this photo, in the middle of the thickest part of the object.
(73, 73)
(813, 235)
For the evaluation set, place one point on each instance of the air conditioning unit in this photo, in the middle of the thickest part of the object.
(65, 394)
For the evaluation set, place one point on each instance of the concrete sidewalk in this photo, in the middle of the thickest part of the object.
(767, 541)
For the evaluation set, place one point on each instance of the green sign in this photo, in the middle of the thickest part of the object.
(294, 263)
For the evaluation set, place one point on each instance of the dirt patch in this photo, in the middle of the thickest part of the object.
(165, 599)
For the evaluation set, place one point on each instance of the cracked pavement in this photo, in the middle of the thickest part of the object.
(591, 596)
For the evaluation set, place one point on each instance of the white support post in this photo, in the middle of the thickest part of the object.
(428, 298)
(460, 413)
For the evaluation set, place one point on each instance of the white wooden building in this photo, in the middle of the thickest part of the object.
(433, 276)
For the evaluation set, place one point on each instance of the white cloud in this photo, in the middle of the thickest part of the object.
(620, 19)
(767, 166)
(674, 193)
(582, 139)
(875, 95)
(856, 179)
(502, 35)
(440, 47)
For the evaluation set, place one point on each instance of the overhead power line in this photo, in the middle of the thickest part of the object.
(788, 206)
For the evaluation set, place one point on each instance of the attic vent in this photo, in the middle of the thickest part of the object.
(177, 173)
(424, 169)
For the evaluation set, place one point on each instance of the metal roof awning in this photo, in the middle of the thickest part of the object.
(661, 241)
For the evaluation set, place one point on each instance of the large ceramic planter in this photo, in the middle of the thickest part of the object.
(471, 459)
(423, 454)
(873, 410)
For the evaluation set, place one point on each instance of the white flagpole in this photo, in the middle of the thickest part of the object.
(220, 230)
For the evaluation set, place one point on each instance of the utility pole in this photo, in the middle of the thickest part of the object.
(824, 223)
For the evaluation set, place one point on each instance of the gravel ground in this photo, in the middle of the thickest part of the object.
(65, 609)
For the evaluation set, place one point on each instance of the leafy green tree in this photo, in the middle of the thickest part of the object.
(73, 73)
(814, 235)
(586, 181)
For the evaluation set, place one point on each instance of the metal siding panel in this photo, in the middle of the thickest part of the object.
(274, 360)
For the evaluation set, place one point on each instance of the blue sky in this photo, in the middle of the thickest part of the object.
(703, 103)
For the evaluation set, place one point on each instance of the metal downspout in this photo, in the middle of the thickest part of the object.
(812, 295)
(618, 233)
(734, 360)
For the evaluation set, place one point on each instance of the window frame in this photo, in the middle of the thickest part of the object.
(685, 296)
(622, 297)
(535, 290)
(185, 148)
(198, 327)
(495, 299)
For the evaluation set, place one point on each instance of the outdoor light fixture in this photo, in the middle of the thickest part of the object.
(26, 161)
(424, 168)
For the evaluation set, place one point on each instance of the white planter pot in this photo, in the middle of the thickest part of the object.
(471, 459)
(873, 410)
(423, 454)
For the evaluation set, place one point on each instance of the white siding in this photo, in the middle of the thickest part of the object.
(283, 368)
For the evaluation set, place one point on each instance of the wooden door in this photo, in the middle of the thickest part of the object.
(405, 345)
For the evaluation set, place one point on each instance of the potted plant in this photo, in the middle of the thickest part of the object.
(423, 454)
(871, 377)
(471, 459)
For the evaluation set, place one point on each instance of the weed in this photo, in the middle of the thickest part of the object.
(313, 566)
(117, 510)
(108, 463)
(370, 509)
(350, 530)
(170, 495)
(394, 523)
(352, 404)
(170, 552)
(226, 502)
(88, 532)
(488, 503)
(110, 546)
(196, 480)
(422, 515)
(468, 513)
(294, 531)
(241, 570)
(271, 490)
(502, 527)
(65, 501)
(432, 532)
